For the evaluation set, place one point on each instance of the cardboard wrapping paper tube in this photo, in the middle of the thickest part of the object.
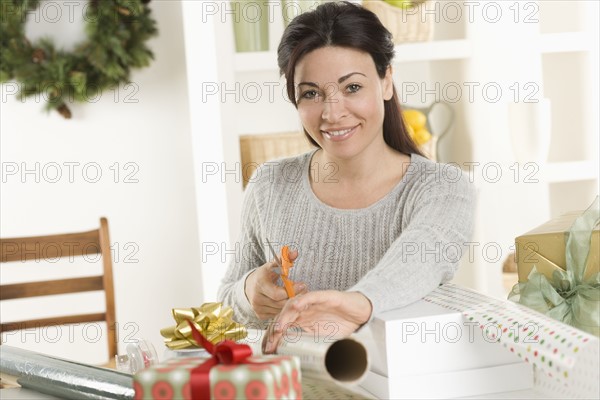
(62, 378)
(339, 361)
(346, 360)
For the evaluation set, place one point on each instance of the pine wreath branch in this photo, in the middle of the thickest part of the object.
(117, 32)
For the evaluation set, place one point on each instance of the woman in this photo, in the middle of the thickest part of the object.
(376, 225)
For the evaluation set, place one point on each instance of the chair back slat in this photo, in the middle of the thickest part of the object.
(42, 322)
(52, 247)
(49, 247)
(47, 288)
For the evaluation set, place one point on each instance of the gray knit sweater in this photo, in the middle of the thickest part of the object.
(395, 251)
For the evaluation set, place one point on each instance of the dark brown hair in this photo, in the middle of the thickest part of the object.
(349, 25)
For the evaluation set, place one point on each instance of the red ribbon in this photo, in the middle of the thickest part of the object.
(226, 352)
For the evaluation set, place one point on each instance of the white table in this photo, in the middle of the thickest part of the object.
(21, 393)
(310, 391)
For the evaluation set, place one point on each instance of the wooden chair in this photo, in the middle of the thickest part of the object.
(63, 245)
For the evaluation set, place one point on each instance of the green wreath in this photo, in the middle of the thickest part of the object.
(117, 32)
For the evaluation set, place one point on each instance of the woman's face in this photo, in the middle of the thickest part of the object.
(340, 100)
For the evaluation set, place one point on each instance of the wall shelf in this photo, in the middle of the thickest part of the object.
(569, 171)
(436, 50)
(527, 173)
(564, 42)
(255, 61)
(407, 52)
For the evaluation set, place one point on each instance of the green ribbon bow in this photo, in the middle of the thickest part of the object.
(568, 297)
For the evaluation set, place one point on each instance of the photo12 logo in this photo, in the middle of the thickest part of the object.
(64, 11)
(431, 331)
(69, 172)
(50, 91)
(52, 252)
(89, 332)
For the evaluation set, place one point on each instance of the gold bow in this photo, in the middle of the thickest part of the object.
(213, 320)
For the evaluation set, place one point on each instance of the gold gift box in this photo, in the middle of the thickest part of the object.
(544, 247)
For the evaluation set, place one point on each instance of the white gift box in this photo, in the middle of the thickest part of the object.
(428, 351)
(447, 385)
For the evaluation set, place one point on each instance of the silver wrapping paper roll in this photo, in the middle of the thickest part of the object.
(62, 378)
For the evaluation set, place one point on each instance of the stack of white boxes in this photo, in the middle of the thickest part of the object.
(428, 351)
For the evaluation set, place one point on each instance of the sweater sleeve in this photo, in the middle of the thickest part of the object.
(426, 254)
(250, 256)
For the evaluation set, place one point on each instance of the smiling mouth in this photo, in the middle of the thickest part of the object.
(340, 134)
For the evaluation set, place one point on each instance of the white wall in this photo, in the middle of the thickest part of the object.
(153, 221)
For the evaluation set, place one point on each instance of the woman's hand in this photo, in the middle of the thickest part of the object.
(265, 296)
(329, 312)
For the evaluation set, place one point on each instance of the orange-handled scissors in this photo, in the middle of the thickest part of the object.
(284, 269)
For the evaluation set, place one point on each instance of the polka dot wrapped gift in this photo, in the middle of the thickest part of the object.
(231, 373)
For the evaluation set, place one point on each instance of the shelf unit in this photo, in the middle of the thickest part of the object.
(439, 50)
(557, 53)
(410, 52)
(564, 42)
(573, 171)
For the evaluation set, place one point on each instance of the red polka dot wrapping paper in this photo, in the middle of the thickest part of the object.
(563, 354)
(266, 377)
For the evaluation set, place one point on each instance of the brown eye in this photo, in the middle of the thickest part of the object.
(353, 88)
(309, 94)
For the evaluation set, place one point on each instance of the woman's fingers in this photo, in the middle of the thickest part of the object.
(266, 346)
(319, 311)
(300, 288)
(273, 292)
(286, 318)
(265, 296)
(293, 253)
(266, 306)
